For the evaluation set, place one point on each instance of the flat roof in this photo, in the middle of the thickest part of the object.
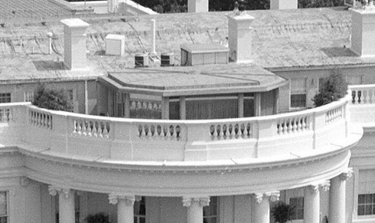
(195, 80)
(282, 39)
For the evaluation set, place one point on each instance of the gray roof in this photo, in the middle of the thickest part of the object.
(282, 39)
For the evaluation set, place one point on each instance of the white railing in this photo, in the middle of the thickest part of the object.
(176, 140)
(362, 94)
(362, 104)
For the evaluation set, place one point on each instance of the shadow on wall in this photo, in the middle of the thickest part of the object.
(338, 52)
(46, 65)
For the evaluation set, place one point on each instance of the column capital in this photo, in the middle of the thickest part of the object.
(202, 201)
(346, 174)
(314, 188)
(129, 199)
(272, 196)
(325, 185)
(54, 190)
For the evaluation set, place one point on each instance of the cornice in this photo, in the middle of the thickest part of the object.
(165, 167)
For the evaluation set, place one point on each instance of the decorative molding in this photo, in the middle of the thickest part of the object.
(24, 181)
(202, 201)
(186, 201)
(325, 185)
(54, 190)
(346, 174)
(258, 197)
(65, 192)
(115, 199)
(314, 188)
(274, 196)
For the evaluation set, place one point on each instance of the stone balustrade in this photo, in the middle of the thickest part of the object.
(70, 134)
(362, 104)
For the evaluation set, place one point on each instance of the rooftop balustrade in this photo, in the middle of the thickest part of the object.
(362, 106)
(282, 136)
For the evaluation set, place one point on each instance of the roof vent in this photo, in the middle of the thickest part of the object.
(200, 54)
(141, 60)
(114, 44)
(167, 59)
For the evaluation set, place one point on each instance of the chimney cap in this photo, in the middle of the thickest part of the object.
(75, 23)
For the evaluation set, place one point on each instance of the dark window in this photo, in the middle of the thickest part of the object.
(210, 212)
(298, 100)
(5, 98)
(297, 202)
(3, 207)
(140, 211)
(366, 204)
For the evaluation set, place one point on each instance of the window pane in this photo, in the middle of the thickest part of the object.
(298, 100)
(3, 219)
(361, 199)
(368, 199)
(361, 210)
(4, 97)
(3, 203)
(368, 210)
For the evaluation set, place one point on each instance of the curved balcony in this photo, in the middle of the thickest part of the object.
(242, 155)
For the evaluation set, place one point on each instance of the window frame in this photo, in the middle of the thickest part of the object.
(213, 201)
(299, 210)
(371, 204)
(5, 96)
(7, 206)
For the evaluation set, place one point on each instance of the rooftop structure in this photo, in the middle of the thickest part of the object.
(221, 141)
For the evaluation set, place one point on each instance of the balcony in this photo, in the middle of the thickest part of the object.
(87, 149)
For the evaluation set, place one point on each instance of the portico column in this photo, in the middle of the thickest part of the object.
(195, 208)
(66, 203)
(125, 207)
(312, 202)
(337, 197)
(260, 206)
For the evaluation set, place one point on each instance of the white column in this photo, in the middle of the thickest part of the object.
(312, 202)
(66, 204)
(125, 207)
(195, 208)
(337, 197)
(260, 207)
(153, 40)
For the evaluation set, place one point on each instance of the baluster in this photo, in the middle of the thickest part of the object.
(172, 132)
(75, 126)
(166, 133)
(216, 135)
(365, 96)
(94, 129)
(248, 129)
(10, 116)
(100, 129)
(371, 96)
(89, 128)
(221, 131)
(2, 116)
(84, 128)
(79, 122)
(159, 131)
(106, 130)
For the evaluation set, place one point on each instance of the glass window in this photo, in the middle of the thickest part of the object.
(5, 98)
(140, 211)
(210, 212)
(366, 204)
(298, 100)
(29, 96)
(3, 207)
(297, 202)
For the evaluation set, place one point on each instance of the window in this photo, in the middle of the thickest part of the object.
(366, 204)
(298, 100)
(5, 97)
(140, 211)
(297, 202)
(3, 207)
(29, 96)
(210, 212)
(298, 93)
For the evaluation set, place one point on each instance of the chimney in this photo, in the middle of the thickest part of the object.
(240, 36)
(363, 31)
(153, 37)
(283, 4)
(112, 6)
(74, 43)
(197, 5)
